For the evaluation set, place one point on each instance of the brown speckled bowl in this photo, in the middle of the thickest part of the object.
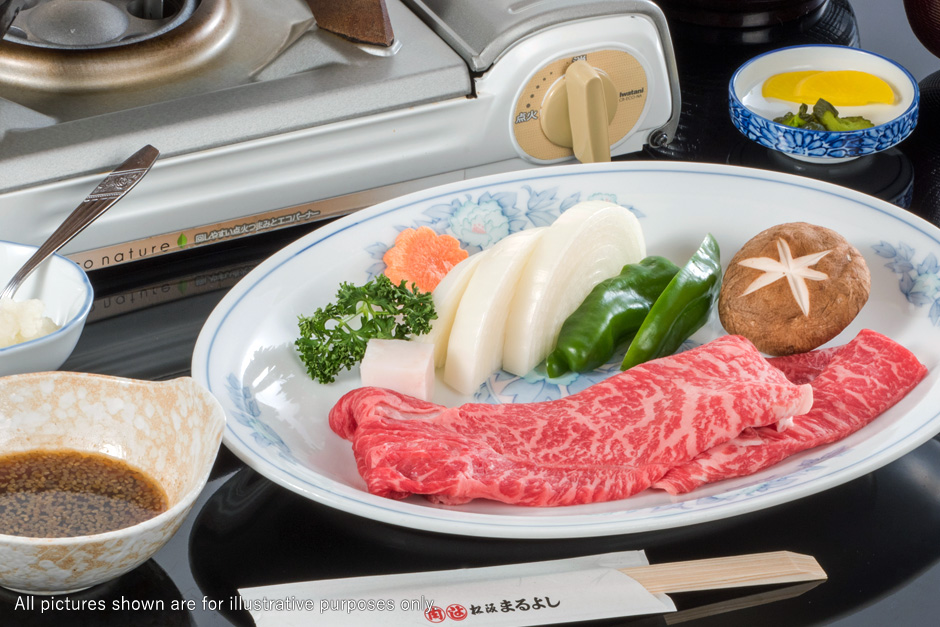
(171, 430)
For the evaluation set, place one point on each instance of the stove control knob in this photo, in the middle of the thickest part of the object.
(577, 111)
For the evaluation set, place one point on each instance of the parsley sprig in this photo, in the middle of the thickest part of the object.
(335, 336)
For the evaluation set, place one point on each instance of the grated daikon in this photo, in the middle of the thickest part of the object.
(21, 321)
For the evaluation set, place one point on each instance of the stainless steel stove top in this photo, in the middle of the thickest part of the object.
(265, 120)
(244, 70)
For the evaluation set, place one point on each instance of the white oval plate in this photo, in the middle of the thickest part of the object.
(278, 415)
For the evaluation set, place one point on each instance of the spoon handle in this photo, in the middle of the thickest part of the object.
(108, 192)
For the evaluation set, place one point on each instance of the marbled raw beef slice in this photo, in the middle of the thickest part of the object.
(605, 443)
(855, 384)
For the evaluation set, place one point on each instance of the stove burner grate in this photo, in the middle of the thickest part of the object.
(93, 24)
(153, 52)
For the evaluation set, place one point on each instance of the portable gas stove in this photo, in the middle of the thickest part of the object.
(265, 120)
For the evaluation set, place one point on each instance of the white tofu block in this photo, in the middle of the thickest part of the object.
(400, 365)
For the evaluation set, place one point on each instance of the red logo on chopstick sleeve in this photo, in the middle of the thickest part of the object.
(435, 614)
(456, 612)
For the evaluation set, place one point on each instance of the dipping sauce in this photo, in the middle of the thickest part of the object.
(61, 493)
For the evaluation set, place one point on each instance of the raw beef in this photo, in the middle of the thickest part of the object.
(853, 385)
(802, 368)
(607, 442)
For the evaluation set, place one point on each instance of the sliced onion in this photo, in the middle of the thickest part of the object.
(446, 298)
(475, 346)
(588, 243)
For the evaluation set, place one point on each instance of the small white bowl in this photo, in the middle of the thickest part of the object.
(170, 430)
(66, 292)
(753, 114)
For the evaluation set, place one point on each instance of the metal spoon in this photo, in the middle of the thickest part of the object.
(108, 192)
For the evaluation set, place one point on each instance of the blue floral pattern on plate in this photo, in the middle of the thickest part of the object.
(918, 281)
(481, 221)
(245, 410)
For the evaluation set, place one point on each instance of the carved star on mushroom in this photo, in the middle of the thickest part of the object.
(796, 271)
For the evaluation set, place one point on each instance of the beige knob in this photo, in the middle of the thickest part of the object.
(577, 111)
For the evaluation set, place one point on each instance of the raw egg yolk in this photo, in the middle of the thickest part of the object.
(842, 88)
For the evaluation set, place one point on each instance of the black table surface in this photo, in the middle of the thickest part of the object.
(877, 537)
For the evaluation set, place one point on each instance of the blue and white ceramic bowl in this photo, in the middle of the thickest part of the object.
(753, 114)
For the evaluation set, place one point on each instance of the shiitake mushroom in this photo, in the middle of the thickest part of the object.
(793, 287)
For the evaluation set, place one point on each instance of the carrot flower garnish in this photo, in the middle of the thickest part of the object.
(422, 256)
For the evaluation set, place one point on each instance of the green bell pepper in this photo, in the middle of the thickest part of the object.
(610, 314)
(682, 308)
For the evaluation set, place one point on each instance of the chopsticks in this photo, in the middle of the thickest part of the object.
(737, 571)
